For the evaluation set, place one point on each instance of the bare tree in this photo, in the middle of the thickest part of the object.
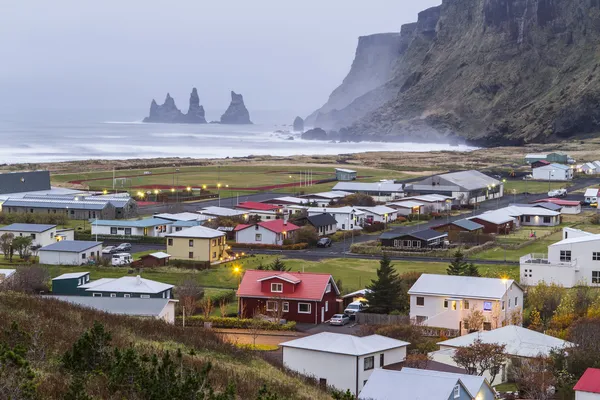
(480, 357)
(31, 280)
(533, 377)
(189, 292)
(254, 329)
(206, 304)
(223, 307)
(475, 320)
(417, 360)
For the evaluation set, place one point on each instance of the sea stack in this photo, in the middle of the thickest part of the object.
(195, 113)
(168, 113)
(236, 113)
(298, 125)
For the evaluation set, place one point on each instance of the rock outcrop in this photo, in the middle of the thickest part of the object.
(236, 113)
(315, 134)
(168, 112)
(493, 72)
(298, 125)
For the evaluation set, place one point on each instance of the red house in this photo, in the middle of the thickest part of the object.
(293, 296)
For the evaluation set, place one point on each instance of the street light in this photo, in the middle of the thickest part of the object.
(219, 192)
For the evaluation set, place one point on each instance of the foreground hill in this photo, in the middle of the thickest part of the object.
(491, 71)
(45, 330)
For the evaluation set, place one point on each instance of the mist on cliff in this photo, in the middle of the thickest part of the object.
(111, 54)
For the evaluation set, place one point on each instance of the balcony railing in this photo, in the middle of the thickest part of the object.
(539, 258)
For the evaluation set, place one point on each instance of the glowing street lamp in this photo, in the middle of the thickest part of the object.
(188, 188)
(105, 191)
(172, 190)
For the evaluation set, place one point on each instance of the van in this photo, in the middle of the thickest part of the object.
(355, 307)
(119, 259)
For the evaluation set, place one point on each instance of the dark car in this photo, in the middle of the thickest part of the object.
(121, 248)
(324, 242)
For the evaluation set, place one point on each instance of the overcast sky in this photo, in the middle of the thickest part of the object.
(279, 54)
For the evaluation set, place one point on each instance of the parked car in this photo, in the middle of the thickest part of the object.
(324, 242)
(557, 193)
(594, 205)
(108, 250)
(119, 259)
(355, 307)
(339, 319)
(528, 177)
(147, 173)
(123, 247)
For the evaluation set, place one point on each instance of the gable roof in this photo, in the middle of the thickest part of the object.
(254, 205)
(349, 171)
(519, 341)
(287, 199)
(586, 237)
(141, 223)
(469, 180)
(391, 385)
(183, 216)
(199, 232)
(158, 254)
(555, 166)
(56, 203)
(493, 217)
(548, 206)
(126, 284)
(467, 224)
(378, 210)
(528, 210)
(311, 287)
(36, 228)
(331, 195)
(321, 220)
(560, 202)
(460, 286)
(5, 273)
(426, 234)
(335, 210)
(589, 381)
(406, 204)
(221, 211)
(543, 162)
(591, 192)
(71, 246)
(429, 198)
(118, 305)
(283, 276)
(274, 225)
(339, 343)
(473, 383)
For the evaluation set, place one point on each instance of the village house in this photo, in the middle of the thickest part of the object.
(152, 227)
(591, 195)
(342, 174)
(408, 207)
(348, 218)
(325, 224)
(343, 361)
(550, 157)
(590, 168)
(588, 386)
(432, 203)
(182, 216)
(70, 252)
(520, 343)
(553, 172)
(72, 209)
(466, 187)
(124, 205)
(425, 239)
(546, 205)
(499, 223)
(379, 191)
(526, 215)
(573, 261)
(197, 243)
(381, 214)
(567, 206)
(285, 201)
(446, 301)
(462, 230)
(79, 284)
(324, 199)
(273, 232)
(293, 296)
(41, 234)
(222, 212)
(253, 206)
(162, 309)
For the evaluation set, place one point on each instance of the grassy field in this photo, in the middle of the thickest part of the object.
(521, 186)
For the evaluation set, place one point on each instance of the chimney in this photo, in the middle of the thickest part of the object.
(138, 280)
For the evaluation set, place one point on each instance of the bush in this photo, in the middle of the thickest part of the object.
(307, 234)
(419, 217)
(226, 296)
(401, 219)
(297, 246)
(340, 235)
(33, 218)
(190, 264)
(120, 238)
(238, 323)
(374, 227)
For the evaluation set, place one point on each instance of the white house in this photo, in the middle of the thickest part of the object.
(70, 252)
(267, 232)
(591, 195)
(41, 235)
(325, 224)
(324, 199)
(379, 191)
(155, 227)
(520, 342)
(215, 212)
(532, 216)
(588, 387)
(182, 216)
(348, 218)
(417, 384)
(431, 202)
(589, 168)
(446, 301)
(572, 207)
(342, 361)
(381, 214)
(572, 261)
(553, 172)
(466, 187)
(407, 207)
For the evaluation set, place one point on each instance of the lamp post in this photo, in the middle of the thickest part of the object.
(219, 192)
(551, 172)
(237, 270)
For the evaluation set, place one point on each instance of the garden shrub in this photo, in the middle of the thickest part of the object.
(237, 323)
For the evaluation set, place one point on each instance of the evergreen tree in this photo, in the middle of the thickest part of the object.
(458, 265)
(471, 270)
(91, 352)
(386, 290)
(278, 265)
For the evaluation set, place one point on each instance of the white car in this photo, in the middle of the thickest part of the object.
(108, 250)
(557, 193)
(355, 307)
(119, 259)
(339, 319)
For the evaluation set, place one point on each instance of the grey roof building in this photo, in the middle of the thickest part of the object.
(467, 225)
(35, 228)
(466, 186)
(73, 209)
(18, 182)
(71, 246)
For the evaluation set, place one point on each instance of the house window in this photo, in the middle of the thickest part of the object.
(214, 242)
(420, 301)
(258, 237)
(445, 303)
(33, 235)
(83, 256)
(304, 308)
(595, 276)
(369, 363)
(456, 391)
(516, 301)
(323, 382)
(96, 294)
(326, 306)
(214, 254)
(547, 220)
(127, 295)
(343, 226)
(144, 296)
(502, 304)
(170, 242)
(596, 256)
(191, 254)
(527, 218)
(128, 231)
(113, 231)
(191, 243)
(271, 306)
(487, 306)
(113, 295)
(565, 255)
(277, 287)
(285, 306)
(381, 359)
(466, 304)
(328, 289)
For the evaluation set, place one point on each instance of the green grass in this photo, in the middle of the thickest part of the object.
(506, 387)
(522, 186)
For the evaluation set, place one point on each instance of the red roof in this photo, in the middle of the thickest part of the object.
(543, 162)
(311, 286)
(274, 225)
(254, 205)
(559, 202)
(589, 382)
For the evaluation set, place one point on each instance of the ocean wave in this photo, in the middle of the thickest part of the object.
(125, 122)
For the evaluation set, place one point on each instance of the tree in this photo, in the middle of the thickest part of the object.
(6, 240)
(533, 376)
(90, 353)
(480, 357)
(417, 360)
(386, 290)
(206, 305)
(189, 292)
(545, 298)
(306, 234)
(31, 280)
(357, 199)
(22, 244)
(471, 270)
(475, 320)
(35, 248)
(535, 321)
(460, 267)
(278, 265)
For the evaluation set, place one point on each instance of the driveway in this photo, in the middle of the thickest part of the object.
(312, 329)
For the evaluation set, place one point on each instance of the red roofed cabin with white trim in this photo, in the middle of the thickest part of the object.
(293, 296)
(267, 232)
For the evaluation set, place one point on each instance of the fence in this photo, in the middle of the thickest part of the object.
(387, 319)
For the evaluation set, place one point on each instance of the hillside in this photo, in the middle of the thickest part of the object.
(494, 72)
(48, 329)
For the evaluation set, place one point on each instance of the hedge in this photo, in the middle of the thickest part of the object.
(190, 264)
(226, 296)
(297, 246)
(237, 323)
(121, 238)
(340, 235)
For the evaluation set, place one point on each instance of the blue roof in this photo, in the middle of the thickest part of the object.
(468, 224)
(186, 223)
(71, 246)
(141, 223)
(559, 166)
(37, 228)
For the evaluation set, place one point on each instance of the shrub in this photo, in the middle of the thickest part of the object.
(374, 227)
(307, 234)
(237, 323)
(226, 296)
(340, 235)
(419, 217)
(297, 246)
(190, 264)
(33, 218)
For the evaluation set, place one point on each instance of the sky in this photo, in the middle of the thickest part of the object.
(280, 54)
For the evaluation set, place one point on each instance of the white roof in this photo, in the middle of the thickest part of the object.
(345, 344)
(596, 163)
(589, 165)
(473, 383)
(429, 198)
(288, 199)
(71, 275)
(406, 204)
(119, 305)
(526, 210)
(126, 284)
(5, 273)
(378, 210)
(221, 211)
(334, 194)
(50, 192)
(460, 286)
(333, 210)
(580, 239)
(536, 155)
(591, 192)
(370, 187)
(197, 232)
(393, 385)
(519, 341)
(350, 171)
(361, 292)
(160, 255)
(554, 166)
(495, 217)
(184, 216)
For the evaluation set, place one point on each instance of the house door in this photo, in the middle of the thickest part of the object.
(322, 314)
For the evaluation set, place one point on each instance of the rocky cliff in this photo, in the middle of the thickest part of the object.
(491, 71)
(170, 114)
(236, 113)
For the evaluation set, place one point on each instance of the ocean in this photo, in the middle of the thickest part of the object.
(67, 135)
